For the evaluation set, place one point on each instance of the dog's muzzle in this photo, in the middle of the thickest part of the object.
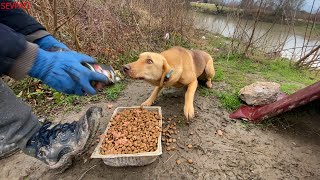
(126, 68)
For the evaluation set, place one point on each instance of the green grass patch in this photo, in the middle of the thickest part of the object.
(219, 75)
(217, 41)
(47, 101)
(239, 71)
(290, 88)
(205, 92)
(60, 98)
(127, 57)
(229, 100)
(204, 7)
(113, 92)
(281, 71)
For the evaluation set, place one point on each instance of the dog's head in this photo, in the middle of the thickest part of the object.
(149, 67)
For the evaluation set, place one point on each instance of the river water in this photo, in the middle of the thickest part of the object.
(276, 35)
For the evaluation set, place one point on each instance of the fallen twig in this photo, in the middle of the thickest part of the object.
(84, 173)
(181, 146)
(170, 157)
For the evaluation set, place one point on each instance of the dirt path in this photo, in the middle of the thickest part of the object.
(292, 152)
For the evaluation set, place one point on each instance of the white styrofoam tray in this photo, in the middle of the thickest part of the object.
(137, 159)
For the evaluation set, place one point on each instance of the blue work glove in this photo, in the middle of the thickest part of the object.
(48, 42)
(64, 72)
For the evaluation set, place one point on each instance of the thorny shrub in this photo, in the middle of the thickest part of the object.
(109, 29)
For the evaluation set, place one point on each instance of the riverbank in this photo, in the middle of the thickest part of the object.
(212, 8)
(269, 18)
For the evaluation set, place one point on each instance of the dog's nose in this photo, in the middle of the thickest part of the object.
(126, 68)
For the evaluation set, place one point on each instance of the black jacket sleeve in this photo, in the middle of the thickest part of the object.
(12, 45)
(16, 54)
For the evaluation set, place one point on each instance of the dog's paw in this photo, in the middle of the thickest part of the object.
(146, 103)
(209, 85)
(189, 112)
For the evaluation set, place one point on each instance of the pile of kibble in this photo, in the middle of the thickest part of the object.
(132, 131)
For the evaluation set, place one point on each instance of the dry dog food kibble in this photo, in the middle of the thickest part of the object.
(132, 131)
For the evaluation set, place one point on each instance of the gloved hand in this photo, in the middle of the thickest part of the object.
(48, 42)
(64, 72)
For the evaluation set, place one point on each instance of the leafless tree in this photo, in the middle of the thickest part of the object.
(249, 44)
(219, 4)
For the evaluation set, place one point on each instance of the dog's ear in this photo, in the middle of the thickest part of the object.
(165, 69)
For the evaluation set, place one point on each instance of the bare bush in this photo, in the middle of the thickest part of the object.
(107, 29)
(283, 27)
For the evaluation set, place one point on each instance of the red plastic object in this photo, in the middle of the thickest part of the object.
(259, 113)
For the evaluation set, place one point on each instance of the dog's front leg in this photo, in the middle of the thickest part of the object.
(153, 96)
(189, 98)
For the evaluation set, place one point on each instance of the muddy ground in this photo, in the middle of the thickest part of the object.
(286, 150)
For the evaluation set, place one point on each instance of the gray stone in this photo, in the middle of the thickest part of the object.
(260, 93)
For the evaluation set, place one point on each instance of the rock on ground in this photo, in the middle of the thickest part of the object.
(260, 93)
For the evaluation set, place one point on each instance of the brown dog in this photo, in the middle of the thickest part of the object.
(175, 67)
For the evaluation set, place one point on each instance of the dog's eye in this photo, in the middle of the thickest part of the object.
(149, 61)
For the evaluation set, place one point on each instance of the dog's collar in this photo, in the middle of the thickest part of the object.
(168, 75)
(165, 77)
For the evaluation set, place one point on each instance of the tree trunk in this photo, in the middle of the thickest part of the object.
(298, 63)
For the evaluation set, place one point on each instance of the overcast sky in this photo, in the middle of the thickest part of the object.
(308, 5)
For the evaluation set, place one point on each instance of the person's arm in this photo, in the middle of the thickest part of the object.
(21, 22)
(16, 54)
(62, 71)
(17, 30)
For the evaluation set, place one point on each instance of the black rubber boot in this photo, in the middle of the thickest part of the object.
(56, 145)
(8, 150)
